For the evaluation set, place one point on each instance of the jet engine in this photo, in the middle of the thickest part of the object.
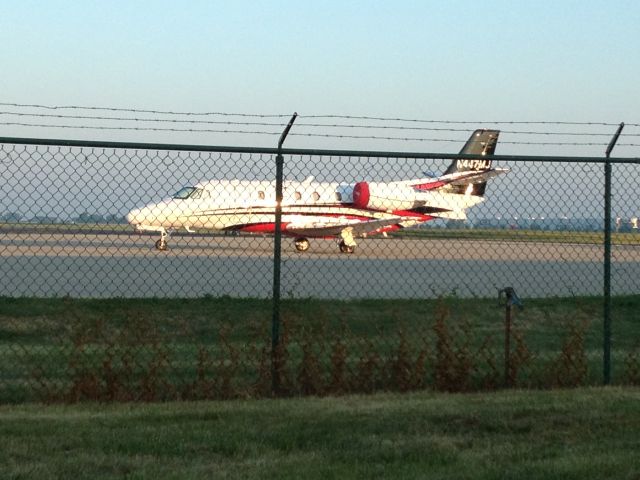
(361, 195)
(380, 196)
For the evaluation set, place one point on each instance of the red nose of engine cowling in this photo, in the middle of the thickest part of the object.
(361, 195)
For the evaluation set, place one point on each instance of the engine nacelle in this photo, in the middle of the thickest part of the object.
(384, 196)
(361, 195)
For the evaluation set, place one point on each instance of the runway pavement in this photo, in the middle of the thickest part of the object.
(125, 265)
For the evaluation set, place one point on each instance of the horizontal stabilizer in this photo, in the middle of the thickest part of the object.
(478, 177)
(458, 179)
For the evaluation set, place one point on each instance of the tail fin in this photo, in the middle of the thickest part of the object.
(481, 142)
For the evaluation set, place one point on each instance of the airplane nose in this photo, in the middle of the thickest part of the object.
(133, 215)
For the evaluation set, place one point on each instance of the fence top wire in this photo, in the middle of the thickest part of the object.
(147, 120)
(308, 152)
(135, 110)
(279, 124)
(288, 115)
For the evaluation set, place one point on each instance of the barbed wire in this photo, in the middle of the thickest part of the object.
(331, 116)
(154, 129)
(299, 134)
(502, 142)
(250, 121)
(468, 122)
(136, 119)
(298, 125)
(462, 130)
(136, 110)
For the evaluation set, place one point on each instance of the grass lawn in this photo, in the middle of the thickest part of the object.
(209, 348)
(589, 433)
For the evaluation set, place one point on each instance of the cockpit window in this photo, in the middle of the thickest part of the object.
(197, 194)
(184, 193)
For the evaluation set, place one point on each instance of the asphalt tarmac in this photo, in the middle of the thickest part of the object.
(127, 265)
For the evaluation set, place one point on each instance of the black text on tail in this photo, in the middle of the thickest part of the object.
(481, 142)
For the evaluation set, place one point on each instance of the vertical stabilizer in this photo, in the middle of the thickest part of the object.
(481, 143)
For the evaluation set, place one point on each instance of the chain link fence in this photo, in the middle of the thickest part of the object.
(92, 308)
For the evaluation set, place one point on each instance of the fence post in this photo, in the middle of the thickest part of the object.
(511, 299)
(277, 256)
(607, 261)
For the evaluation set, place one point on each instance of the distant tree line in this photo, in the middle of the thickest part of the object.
(558, 224)
(85, 217)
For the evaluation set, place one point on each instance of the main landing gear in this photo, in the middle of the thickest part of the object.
(347, 243)
(344, 248)
(302, 244)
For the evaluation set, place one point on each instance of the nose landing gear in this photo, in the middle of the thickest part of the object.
(162, 243)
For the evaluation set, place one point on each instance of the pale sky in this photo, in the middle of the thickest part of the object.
(492, 61)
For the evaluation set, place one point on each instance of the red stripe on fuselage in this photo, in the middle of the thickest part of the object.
(260, 228)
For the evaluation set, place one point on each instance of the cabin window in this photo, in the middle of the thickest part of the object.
(183, 193)
(197, 194)
(261, 195)
(315, 196)
(338, 196)
(298, 196)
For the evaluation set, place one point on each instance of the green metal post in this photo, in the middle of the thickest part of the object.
(277, 258)
(607, 274)
(277, 252)
(607, 260)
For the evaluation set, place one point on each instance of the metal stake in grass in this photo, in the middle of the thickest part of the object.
(511, 298)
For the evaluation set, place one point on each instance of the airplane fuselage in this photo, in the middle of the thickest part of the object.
(326, 209)
(250, 206)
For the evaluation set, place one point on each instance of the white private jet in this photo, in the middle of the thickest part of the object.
(317, 209)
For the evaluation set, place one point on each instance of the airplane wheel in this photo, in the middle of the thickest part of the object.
(302, 244)
(161, 245)
(344, 248)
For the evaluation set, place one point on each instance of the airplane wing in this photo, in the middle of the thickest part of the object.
(336, 228)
